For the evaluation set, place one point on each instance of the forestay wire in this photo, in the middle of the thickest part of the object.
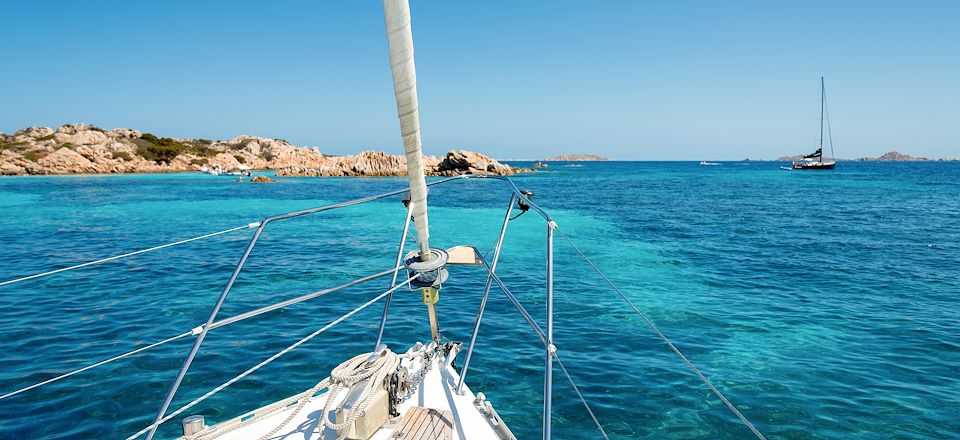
(666, 340)
(130, 254)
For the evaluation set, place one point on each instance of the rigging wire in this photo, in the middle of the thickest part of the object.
(196, 331)
(829, 127)
(666, 340)
(130, 254)
(267, 361)
(105, 361)
(582, 399)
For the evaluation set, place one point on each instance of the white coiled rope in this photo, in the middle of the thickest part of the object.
(352, 372)
(342, 378)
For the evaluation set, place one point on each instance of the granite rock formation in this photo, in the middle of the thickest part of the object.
(578, 158)
(86, 149)
(373, 163)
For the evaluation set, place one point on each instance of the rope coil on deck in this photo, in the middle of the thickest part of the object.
(351, 373)
(344, 376)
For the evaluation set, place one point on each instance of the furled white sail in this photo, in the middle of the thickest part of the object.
(400, 40)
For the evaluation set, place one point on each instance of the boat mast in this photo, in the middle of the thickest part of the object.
(400, 43)
(822, 100)
(827, 115)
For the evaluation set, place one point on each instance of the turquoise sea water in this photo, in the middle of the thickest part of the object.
(825, 305)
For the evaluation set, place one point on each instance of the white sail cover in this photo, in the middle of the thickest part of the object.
(400, 41)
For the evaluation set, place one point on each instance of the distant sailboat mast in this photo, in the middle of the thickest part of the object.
(823, 97)
(825, 116)
(822, 100)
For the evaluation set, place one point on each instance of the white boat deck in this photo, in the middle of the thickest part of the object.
(436, 392)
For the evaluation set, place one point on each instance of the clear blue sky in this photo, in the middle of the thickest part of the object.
(628, 79)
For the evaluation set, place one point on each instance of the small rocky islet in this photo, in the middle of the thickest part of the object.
(569, 157)
(891, 156)
(87, 149)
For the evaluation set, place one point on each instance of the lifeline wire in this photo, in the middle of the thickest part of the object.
(666, 340)
(267, 361)
(130, 254)
(106, 361)
(197, 330)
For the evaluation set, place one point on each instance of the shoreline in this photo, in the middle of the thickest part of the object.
(269, 172)
(76, 149)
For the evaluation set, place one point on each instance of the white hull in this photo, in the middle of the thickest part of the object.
(437, 391)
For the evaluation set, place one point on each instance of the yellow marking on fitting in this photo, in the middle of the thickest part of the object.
(431, 295)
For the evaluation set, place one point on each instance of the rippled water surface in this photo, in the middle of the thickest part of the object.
(826, 305)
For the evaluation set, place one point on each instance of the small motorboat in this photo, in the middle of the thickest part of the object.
(213, 170)
(239, 170)
(705, 163)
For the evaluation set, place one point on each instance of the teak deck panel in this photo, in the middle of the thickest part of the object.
(424, 424)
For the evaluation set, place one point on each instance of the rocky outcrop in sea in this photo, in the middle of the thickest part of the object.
(891, 156)
(373, 163)
(87, 149)
(578, 158)
(894, 156)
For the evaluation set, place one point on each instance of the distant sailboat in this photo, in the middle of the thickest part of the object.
(815, 161)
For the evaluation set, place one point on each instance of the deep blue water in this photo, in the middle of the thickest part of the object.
(824, 304)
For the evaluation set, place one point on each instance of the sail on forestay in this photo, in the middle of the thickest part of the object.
(400, 42)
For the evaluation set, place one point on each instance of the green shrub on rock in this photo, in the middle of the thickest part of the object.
(164, 150)
(121, 155)
(34, 156)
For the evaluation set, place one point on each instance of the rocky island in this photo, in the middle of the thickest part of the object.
(578, 158)
(87, 149)
(892, 156)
